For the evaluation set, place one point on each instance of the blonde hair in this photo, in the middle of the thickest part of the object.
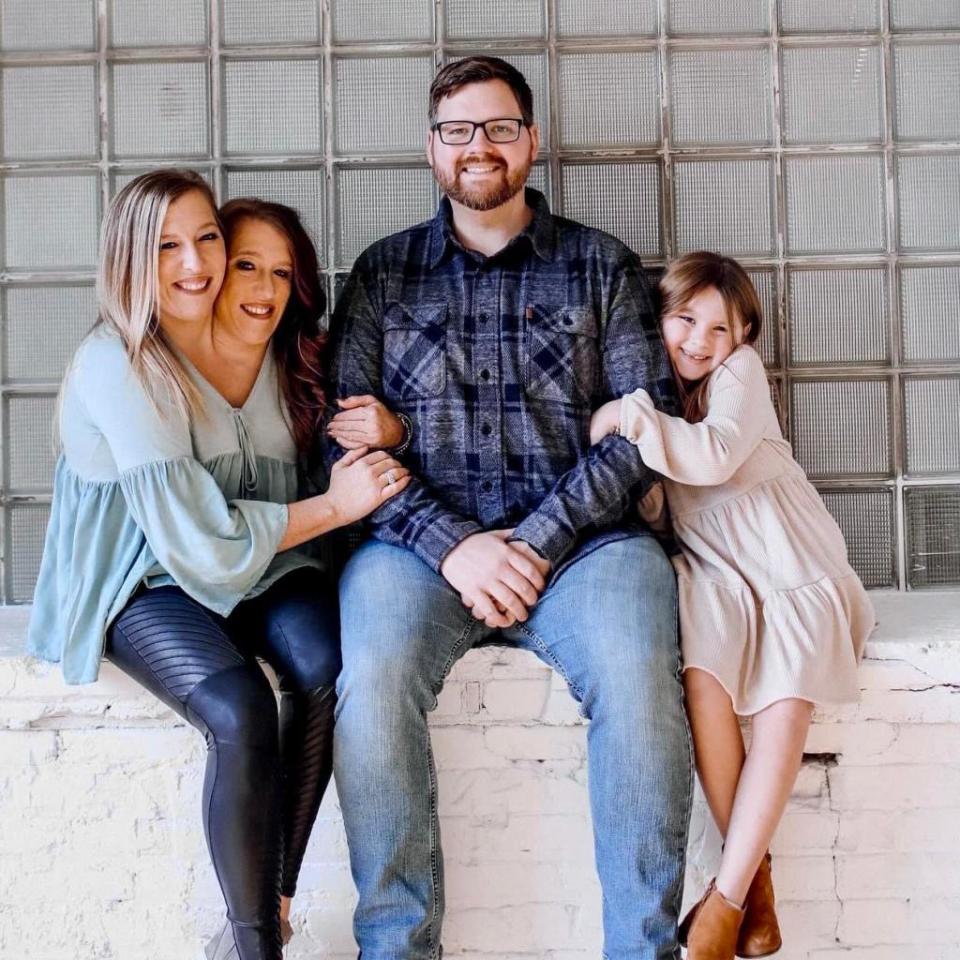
(127, 285)
(690, 275)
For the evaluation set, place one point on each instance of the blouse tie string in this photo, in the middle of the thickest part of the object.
(250, 476)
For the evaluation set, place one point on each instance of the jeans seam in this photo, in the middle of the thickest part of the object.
(554, 662)
(434, 851)
(434, 842)
(454, 651)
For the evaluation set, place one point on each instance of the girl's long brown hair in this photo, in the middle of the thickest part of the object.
(692, 274)
(298, 343)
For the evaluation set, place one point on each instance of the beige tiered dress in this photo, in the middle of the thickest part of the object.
(768, 602)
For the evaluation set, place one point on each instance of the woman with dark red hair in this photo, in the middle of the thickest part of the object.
(182, 545)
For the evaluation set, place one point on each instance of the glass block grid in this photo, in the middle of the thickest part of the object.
(67, 312)
(380, 103)
(928, 313)
(931, 413)
(49, 113)
(289, 121)
(721, 96)
(933, 536)
(63, 25)
(256, 23)
(928, 90)
(373, 21)
(796, 135)
(832, 94)
(725, 205)
(842, 428)
(719, 17)
(925, 14)
(607, 18)
(482, 20)
(829, 16)
(839, 317)
(867, 520)
(929, 195)
(30, 463)
(835, 205)
(594, 120)
(145, 23)
(623, 199)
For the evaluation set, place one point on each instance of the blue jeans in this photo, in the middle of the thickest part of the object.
(608, 625)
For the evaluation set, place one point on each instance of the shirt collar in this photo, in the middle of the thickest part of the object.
(541, 232)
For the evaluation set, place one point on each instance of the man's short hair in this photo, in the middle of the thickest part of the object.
(480, 69)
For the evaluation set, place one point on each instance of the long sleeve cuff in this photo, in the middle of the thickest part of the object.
(434, 540)
(550, 538)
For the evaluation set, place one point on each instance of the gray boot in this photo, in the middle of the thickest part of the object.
(223, 946)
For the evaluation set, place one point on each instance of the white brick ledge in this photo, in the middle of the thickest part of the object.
(103, 856)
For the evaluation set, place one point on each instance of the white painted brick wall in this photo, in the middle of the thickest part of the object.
(103, 854)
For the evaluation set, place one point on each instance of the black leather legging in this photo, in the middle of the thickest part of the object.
(266, 769)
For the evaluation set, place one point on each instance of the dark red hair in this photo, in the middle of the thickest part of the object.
(299, 346)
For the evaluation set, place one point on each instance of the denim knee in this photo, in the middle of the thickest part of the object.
(389, 684)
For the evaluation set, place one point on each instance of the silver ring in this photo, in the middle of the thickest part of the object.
(390, 477)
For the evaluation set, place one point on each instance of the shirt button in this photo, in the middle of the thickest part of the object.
(484, 374)
(484, 317)
(486, 429)
(486, 486)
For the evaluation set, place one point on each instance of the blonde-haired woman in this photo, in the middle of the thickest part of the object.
(173, 539)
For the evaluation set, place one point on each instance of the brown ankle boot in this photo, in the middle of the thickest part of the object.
(710, 929)
(760, 932)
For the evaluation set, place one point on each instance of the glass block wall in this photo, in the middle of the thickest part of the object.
(817, 140)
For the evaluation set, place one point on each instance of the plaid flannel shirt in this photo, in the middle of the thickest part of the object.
(498, 362)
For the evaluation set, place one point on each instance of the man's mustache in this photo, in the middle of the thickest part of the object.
(471, 161)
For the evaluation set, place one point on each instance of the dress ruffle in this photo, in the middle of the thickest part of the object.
(802, 643)
(768, 601)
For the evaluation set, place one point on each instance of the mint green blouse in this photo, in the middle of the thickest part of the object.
(146, 498)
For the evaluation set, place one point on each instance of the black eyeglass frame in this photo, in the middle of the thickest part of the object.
(521, 123)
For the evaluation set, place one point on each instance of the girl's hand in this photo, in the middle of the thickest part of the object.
(365, 422)
(605, 420)
(361, 481)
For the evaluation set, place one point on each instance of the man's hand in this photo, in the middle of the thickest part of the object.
(541, 563)
(364, 421)
(495, 579)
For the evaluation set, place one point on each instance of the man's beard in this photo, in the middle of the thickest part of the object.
(482, 198)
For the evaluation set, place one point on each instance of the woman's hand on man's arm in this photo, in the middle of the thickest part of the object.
(360, 482)
(363, 421)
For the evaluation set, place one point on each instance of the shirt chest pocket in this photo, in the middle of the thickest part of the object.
(414, 350)
(563, 355)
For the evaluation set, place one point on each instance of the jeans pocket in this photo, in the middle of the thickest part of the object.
(563, 355)
(414, 350)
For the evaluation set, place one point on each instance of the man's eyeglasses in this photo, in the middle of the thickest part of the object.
(459, 132)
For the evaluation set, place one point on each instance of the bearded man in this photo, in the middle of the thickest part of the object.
(496, 328)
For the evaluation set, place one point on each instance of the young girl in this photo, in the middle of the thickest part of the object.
(773, 619)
